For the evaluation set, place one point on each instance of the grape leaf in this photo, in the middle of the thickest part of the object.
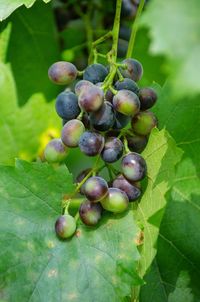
(23, 130)
(95, 265)
(178, 243)
(161, 155)
(8, 6)
(175, 33)
(33, 47)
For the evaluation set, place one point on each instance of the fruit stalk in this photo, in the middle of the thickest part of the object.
(134, 30)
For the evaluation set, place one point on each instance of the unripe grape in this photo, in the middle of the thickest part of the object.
(91, 99)
(65, 226)
(62, 73)
(55, 151)
(134, 167)
(95, 73)
(132, 190)
(67, 105)
(126, 102)
(121, 120)
(95, 188)
(72, 132)
(113, 150)
(143, 122)
(104, 118)
(116, 201)
(80, 177)
(148, 98)
(81, 86)
(91, 143)
(127, 84)
(90, 213)
(134, 69)
(137, 143)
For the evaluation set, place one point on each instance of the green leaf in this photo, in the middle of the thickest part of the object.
(8, 6)
(174, 28)
(179, 242)
(33, 47)
(23, 131)
(97, 264)
(161, 155)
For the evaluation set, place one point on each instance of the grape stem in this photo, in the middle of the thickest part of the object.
(126, 148)
(134, 30)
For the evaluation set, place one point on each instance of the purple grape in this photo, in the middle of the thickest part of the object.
(90, 213)
(95, 188)
(65, 226)
(144, 122)
(55, 151)
(113, 150)
(148, 98)
(91, 99)
(62, 73)
(137, 143)
(72, 132)
(95, 73)
(81, 176)
(134, 69)
(104, 118)
(91, 143)
(132, 190)
(81, 86)
(134, 167)
(127, 84)
(67, 105)
(116, 201)
(126, 102)
(121, 120)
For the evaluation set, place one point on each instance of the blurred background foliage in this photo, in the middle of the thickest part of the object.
(168, 46)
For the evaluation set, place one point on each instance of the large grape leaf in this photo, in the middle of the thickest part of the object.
(162, 156)
(22, 130)
(179, 242)
(95, 265)
(8, 6)
(33, 47)
(174, 29)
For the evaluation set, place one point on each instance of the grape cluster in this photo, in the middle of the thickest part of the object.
(112, 121)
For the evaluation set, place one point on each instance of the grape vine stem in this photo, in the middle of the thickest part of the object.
(134, 30)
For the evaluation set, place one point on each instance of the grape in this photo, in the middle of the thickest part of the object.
(91, 143)
(62, 73)
(67, 105)
(82, 86)
(134, 69)
(134, 166)
(90, 213)
(132, 190)
(126, 102)
(95, 188)
(121, 120)
(129, 10)
(91, 99)
(116, 201)
(81, 176)
(109, 96)
(147, 98)
(113, 150)
(86, 120)
(55, 151)
(65, 226)
(72, 132)
(127, 84)
(137, 143)
(125, 33)
(104, 118)
(122, 48)
(143, 122)
(95, 73)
